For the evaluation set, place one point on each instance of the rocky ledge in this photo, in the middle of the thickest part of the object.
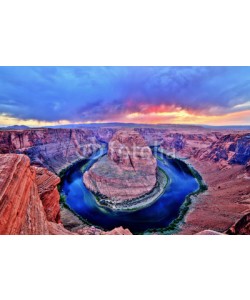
(128, 171)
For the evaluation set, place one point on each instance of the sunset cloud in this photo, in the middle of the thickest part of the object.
(49, 95)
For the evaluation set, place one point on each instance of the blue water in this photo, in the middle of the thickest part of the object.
(159, 215)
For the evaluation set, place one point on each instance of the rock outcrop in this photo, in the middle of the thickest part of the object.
(47, 182)
(29, 200)
(21, 210)
(54, 149)
(127, 172)
(209, 232)
(91, 230)
(77, 226)
(242, 226)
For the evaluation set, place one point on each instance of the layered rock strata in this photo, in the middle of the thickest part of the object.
(54, 149)
(127, 172)
(47, 182)
(21, 210)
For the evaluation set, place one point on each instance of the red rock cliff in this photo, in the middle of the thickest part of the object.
(47, 183)
(29, 200)
(21, 211)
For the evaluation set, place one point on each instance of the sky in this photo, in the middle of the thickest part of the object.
(39, 96)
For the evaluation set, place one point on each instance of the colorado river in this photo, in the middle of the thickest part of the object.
(158, 215)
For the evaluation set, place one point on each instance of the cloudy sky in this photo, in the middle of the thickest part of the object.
(60, 95)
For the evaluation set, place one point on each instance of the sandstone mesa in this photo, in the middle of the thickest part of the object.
(127, 172)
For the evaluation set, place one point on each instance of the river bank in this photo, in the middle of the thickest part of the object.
(175, 226)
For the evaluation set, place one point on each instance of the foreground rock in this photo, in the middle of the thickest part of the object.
(47, 182)
(29, 200)
(21, 210)
(242, 226)
(127, 172)
(208, 232)
(77, 226)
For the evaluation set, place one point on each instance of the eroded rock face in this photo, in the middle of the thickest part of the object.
(242, 226)
(29, 199)
(47, 182)
(21, 210)
(216, 146)
(54, 149)
(127, 172)
(129, 151)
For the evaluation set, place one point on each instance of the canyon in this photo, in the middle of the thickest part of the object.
(30, 161)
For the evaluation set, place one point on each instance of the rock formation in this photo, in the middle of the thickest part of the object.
(127, 172)
(21, 210)
(208, 232)
(54, 149)
(47, 182)
(233, 148)
(242, 226)
(77, 226)
(29, 200)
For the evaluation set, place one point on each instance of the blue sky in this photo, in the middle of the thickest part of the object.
(48, 95)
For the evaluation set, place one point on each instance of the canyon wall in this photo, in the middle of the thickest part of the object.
(21, 210)
(47, 182)
(217, 147)
(200, 143)
(54, 149)
(223, 147)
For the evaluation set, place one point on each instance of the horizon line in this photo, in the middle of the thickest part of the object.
(124, 123)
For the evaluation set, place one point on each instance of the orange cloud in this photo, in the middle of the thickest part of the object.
(149, 116)
(182, 116)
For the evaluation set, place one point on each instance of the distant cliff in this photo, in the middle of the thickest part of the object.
(233, 148)
(54, 149)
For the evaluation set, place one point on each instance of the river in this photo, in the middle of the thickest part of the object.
(158, 215)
